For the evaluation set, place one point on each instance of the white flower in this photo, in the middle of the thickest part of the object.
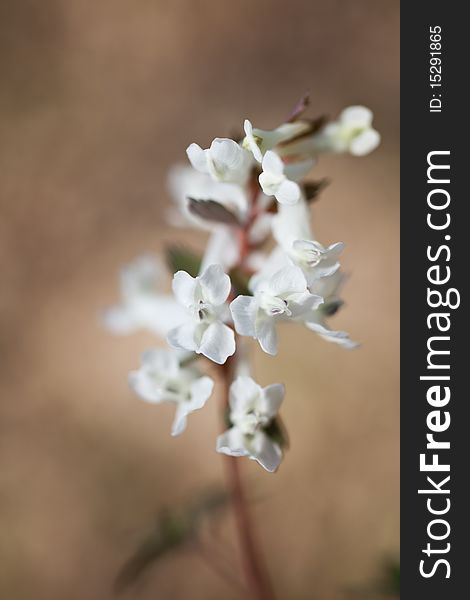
(278, 178)
(204, 331)
(252, 409)
(292, 231)
(352, 132)
(259, 140)
(315, 260)
(225, 160)
(282, 297)
(142, 306)
(315, 320)
(162, 378)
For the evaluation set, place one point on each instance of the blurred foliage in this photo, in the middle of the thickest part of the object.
(385, 587)
(213, 211)
(277, 431)
(312, 189)
(240, 281)
(179, 258)
(172, 531)
(391, 577)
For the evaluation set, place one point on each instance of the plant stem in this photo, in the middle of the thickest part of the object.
(256, 575)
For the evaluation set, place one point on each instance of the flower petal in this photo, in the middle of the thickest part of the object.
(244, 310)
(185, 288)
(251, 142)
(244, 392)
(227, 153)
(269, 182)
(266, 452)
(201, 389)
(271, 399)
(146, 384)
(291, 223)
(365, 143)
(272, 163)
(218, 342)
(337, 337)
(267, 336)
(140, 278)
(119, 320)
(301, 304)
(356, 116)
(185, 336)
(222, 248)
(180, 421)
(160, 360)
(197, 157)
(288, 193)
(232, 443)
(287, 280)
(215, 284)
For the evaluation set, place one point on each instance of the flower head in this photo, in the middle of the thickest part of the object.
(282, 297)
(315, 260)
(225, 160)
(279, 179)
(292, 231)
(142, 305)
(252, 410)
(352, 132)
(162, 378)
(204, 298)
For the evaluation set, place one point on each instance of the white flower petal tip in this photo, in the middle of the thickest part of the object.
(204, 298)
(274, 181)
(163, 378)
(252, 410)
(341, 338)
(251, 142)
(225, 160)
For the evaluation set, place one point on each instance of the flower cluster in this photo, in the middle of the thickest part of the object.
(243, 192)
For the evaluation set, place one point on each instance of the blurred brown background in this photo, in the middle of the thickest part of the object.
(97, 101)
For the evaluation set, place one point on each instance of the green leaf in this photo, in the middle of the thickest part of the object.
(181, 259)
